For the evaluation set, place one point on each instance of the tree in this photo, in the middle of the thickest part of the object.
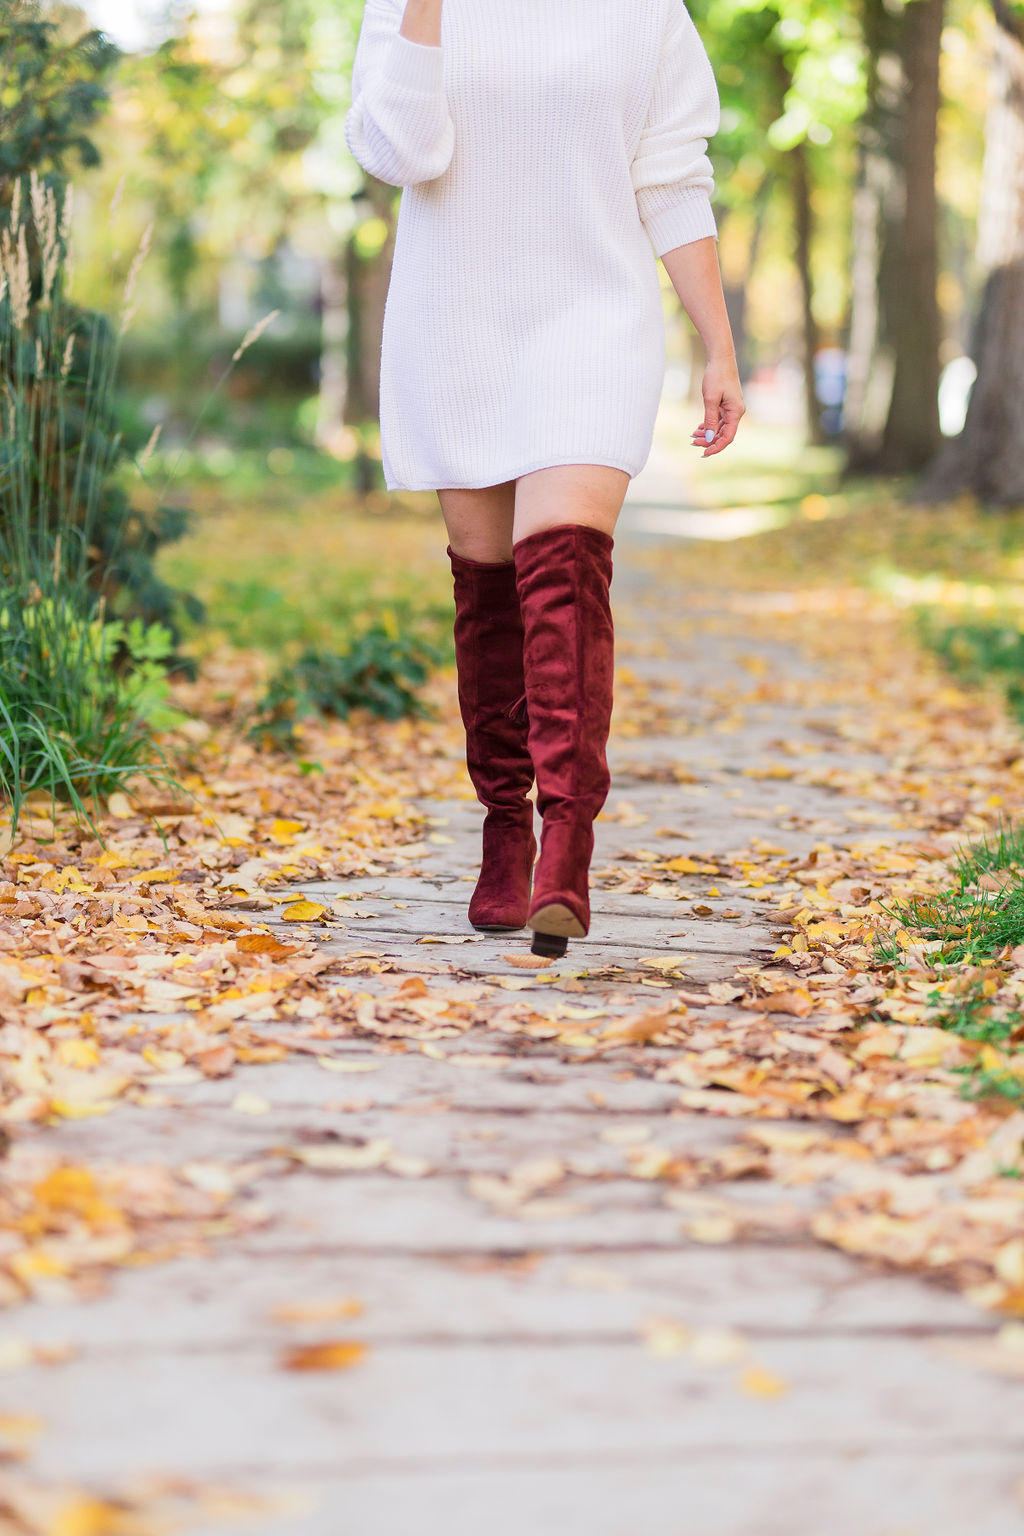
(891, 411)
(988, 456)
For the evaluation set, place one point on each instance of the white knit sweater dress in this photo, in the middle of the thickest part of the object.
(549, 150)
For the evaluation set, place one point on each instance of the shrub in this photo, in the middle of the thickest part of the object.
(56, 91)
(79, 697)
(379, 672)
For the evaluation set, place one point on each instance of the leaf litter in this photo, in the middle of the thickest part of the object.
(133, 968)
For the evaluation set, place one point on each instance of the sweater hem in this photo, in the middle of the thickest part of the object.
(631, 469)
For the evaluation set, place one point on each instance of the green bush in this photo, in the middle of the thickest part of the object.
(380, 672)
(79, 699)
(81, 694)
(61, 458)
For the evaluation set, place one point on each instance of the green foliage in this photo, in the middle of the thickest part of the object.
(980, 650)
(79, 699)
(51, 93)
(60, 447)
(974, 925)
(379, 672)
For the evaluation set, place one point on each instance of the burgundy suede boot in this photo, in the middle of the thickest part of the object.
(492, 698)
(563, 575)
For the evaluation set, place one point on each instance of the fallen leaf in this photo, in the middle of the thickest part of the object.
(318, 1311)
(341, 1355)
(757, 1382)
(303, 912)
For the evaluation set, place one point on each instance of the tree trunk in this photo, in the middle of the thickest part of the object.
(890, 413)
(796, 161)
(368, 276)
(988, 456)
(912, 434)
(803, 218)
(869, 367)
(334, 321)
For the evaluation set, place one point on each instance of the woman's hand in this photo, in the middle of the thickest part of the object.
(723, 406)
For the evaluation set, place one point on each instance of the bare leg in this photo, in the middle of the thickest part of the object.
(588, 494)
(479, 522)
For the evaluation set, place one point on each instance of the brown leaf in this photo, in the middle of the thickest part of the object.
(798, 1003)
(339, 1355)
(527, 962)
(264, 944)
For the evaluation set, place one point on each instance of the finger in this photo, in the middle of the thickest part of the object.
(731, 414)
(729, 426)
(705, 434)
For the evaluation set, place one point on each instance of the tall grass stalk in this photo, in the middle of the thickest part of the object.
(80, 698)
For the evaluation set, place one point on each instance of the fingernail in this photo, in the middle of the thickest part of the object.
(709, 436)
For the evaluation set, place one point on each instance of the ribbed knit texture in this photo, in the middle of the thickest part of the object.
(546, 148)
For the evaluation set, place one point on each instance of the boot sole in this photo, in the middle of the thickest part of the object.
(557, 920)
(498, 927)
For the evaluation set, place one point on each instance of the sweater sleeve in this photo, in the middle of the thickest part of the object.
(672, 174)
(398, 127)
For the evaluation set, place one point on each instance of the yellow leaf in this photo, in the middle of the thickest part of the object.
(78, 1053)
(757, 1382)
(91, 1517)
(35, 1264)
(319, 1311)
(119, 805)
(59, 880)
(81, 1109)
(383, 810)
(339, 1356)
(303, 912)
(284, 831)
(683, 866)
(20, 1426)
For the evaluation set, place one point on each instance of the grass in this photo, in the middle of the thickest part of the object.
(288, 564)
(976, 924)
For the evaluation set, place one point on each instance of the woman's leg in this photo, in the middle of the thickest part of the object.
(564, 521)
(479, 523)
(588, 494)
(489, 656)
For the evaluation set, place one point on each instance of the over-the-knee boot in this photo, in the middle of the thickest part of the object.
(489, 657)
(563, 575)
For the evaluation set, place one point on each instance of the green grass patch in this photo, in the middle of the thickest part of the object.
(975, 927)
(285, 564)
(980, 650)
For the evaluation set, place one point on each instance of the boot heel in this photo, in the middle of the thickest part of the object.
(553, 926)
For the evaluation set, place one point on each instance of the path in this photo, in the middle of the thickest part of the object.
(553, 1345)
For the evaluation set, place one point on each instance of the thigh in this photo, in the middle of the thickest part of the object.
(479, 523)
(591, 494)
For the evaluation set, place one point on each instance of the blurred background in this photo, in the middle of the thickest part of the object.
(870, 200)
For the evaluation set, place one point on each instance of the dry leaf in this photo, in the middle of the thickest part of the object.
(340, 1355)
(303, 912)
(318, 1311)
